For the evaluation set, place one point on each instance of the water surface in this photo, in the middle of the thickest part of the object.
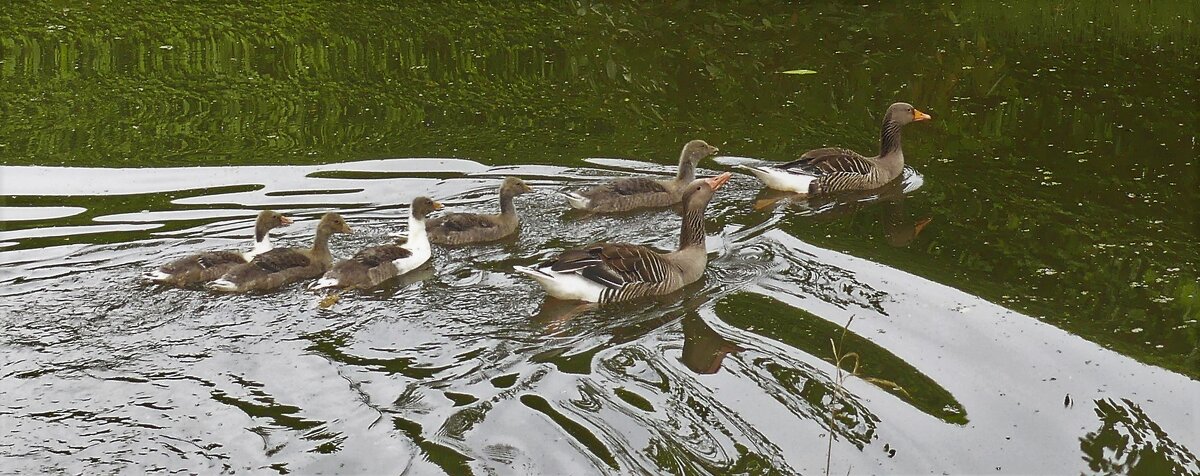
(1024, 301)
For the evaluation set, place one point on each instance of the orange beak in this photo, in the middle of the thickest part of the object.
(920, 116)
(438, 206)
(285, 220)
(718, 181)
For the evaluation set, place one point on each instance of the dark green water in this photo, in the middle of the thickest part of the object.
(1059, 178)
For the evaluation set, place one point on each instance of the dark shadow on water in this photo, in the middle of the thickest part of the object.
(331, 344)
(811, 334)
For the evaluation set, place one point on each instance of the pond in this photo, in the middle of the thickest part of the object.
(1024, 300)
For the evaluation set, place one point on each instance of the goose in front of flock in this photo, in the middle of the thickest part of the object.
(281, 266)
(467, 228)
(833, 169)
(204, 267)
(372, 266)
(610, 272)
(631, 193)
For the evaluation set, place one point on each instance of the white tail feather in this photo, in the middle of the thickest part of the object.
(222, 285)
(155, 276)
(325, 283)
(780, 179)
(569, 286)
(576, 200)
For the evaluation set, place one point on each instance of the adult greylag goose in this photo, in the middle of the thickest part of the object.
(372, 266)
(465, 228)
(609, 272)
(631, 193)
(282, 266)
(833, 169)
(204, 267)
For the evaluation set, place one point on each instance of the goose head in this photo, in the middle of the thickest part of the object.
(333, 223)
(513, 186)
(695, 150)
(423, 206)
(267, 221)
(903, 113)
(700, 191)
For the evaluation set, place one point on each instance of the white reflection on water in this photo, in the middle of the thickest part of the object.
(466, 366)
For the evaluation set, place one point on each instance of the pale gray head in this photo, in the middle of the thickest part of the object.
(423, 206)
(700, 191)
(904, 113)
(513, 186)
(695, 150)
(333, 223)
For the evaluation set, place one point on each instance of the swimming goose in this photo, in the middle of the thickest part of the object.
(282, 266)
(609, 272)
(465, 228)
(372, 266)
(204, 267)
(627, 194)
(833, 169)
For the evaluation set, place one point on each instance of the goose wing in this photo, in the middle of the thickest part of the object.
(628, 186)
(461, 222)
(376, 255)
(280, 259)
(219, 258)
(614, 264)
(828, 161)
(202, 261)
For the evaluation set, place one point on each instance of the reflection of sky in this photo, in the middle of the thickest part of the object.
(303, 377)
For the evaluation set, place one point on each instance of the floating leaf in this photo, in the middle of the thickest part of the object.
(799, 71)
(329, 300)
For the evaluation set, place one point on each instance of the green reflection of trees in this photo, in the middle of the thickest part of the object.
(1059, 168)
(811, 334)
(1129, 442)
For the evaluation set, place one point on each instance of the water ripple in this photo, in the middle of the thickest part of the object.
(465, 366)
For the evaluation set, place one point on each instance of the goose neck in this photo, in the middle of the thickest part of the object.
(321, 242)
(889, 140)
(691, 233)
(262, 243)
(417, 236)
(687, 171)
(506, 204)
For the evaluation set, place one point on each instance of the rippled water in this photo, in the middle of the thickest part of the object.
(1025, 301)
(465, 367)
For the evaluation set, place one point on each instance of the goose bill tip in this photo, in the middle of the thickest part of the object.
(920, 116)
(718, 181)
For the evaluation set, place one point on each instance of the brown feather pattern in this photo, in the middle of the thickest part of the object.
(373, 256)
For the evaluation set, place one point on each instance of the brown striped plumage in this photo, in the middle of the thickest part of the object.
(466, 228)
(632, 193)
(282, 266)
(609, 272)
(835, 169)
(204, 267)
(374, 265)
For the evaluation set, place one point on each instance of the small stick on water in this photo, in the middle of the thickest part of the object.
(838, 390)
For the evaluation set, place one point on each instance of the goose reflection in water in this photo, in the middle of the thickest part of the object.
(899, 227)
(703, 348)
